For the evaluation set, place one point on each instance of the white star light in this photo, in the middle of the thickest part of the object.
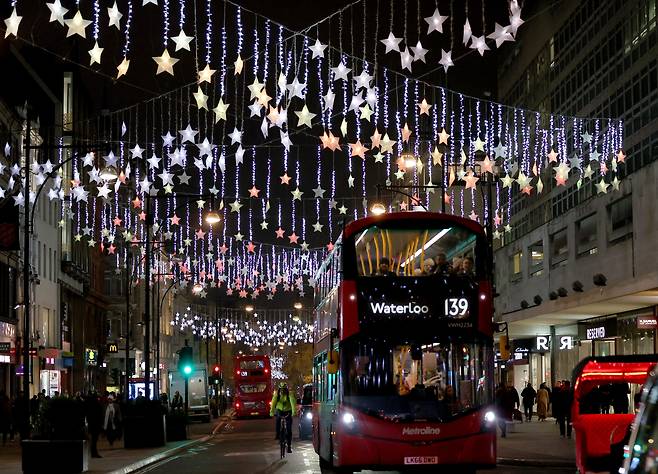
(340, 72)
(392, 43)
(235, 136)
(419, 52)
(115, 16)
(467, 33)
(435, 22)
(304, 117)
(95, 54)
(165, 63)
(200, 98)
(500, 35)
(77, 25)
(446, 60)
(122, 68)
(182, 41)
(12, 23)
(57, 12)
(318, 49)
(479, 43)
(405, 59)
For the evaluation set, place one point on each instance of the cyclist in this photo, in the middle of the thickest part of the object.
(284, 407)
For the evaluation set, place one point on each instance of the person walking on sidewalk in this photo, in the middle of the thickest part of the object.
(505, 405)
(562, 408)
(542, 402)
(5, 416)
(94, 414)
(112, 421)
(528, 395)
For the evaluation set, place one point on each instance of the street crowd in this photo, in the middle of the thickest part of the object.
(557, 402)
(102, 413)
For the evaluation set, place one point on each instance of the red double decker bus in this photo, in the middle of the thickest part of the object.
(253, 385)
(403, 366)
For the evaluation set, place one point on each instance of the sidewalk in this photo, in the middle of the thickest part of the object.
(116, 459)
(536, 444)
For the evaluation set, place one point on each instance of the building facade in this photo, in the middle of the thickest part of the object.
(577, 274)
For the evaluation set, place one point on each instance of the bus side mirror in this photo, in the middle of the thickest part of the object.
(332, 362)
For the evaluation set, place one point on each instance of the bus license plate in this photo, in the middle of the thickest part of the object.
(421, 460)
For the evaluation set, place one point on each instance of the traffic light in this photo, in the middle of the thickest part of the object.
(215, 375)
(504, 347)
(185, 361)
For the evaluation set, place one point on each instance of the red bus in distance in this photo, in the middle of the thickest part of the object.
(253, 385)
(404, 360)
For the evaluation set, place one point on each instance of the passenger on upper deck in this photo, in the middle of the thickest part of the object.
(384, 268)
(442, 264)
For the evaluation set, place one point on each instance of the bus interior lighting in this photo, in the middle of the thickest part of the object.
(361, 237)
(429, 243)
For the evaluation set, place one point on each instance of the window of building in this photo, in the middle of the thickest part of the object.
(620, 219)
(586, 236)
(559, 248)
(536, 258)
(515, 266)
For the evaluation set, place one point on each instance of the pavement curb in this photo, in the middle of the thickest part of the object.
(161, 456)
(534, 462)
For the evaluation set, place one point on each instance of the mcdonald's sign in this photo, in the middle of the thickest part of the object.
(112, 348)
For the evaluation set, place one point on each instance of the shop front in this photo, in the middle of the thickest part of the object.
(633, 332)
(531, 361)
(7, 357)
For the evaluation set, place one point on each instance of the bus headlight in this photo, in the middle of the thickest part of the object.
(309, 415)
(348, 419)
(490, 417)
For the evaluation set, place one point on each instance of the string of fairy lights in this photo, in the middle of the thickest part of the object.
(280, 153)
(254, 328)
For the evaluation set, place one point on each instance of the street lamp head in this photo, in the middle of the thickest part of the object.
(409, 159)
(109, 173)
(197, 288)
(298, 305)
(213, 218)
(249, 308)
(377, 209)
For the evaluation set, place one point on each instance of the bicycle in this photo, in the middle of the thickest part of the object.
(283, 432)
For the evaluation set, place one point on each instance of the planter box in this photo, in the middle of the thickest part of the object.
(148, 431)
(64, 456)
(176, 428)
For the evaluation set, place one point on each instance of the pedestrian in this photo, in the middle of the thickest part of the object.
(164, 401)
(504, 407)
(94, 414)
(5, 416)
(619, 395)
(542, 402)
(112, 421)
(177, 402)
(528, 395)
(562, 408)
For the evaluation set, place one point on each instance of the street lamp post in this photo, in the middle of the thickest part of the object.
(26, 276)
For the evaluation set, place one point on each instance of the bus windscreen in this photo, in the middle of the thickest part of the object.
(416, 380)
(382, 251)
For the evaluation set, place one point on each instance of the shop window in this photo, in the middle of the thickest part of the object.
(586, 236)
(620, 219)
(559, 248)
(515, 266)
(536, 260)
